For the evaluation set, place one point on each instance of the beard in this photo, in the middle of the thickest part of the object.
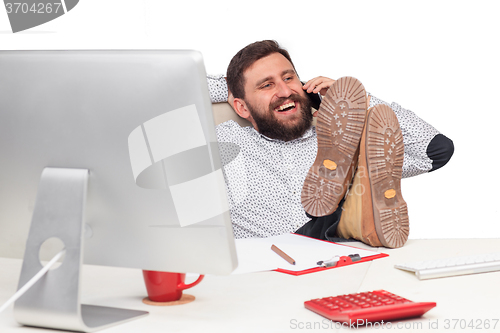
(285, 130)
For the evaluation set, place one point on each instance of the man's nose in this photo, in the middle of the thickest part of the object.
(283, 90)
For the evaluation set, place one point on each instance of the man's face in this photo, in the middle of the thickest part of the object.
(275, 99)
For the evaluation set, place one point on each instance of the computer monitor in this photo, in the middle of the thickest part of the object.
(140, 126)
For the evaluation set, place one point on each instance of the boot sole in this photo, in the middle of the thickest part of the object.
(340, 123)
(385, 155)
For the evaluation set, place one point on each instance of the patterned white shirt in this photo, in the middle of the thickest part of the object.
(264, 182)
(417, 134)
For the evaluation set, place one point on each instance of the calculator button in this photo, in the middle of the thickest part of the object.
(383, 306)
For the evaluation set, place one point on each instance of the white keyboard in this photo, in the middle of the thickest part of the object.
(432, 269)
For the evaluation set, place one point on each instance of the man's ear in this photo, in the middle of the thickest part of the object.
(241, 109)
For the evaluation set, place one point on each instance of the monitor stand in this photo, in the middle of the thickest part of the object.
(54, 301)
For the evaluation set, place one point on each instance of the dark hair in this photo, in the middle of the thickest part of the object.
(245, 58)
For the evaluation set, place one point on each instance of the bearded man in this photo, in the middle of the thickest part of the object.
(290, 176)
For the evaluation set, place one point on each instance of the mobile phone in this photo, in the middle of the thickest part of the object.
(315, 98)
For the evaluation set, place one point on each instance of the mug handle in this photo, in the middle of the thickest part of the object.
(183, 286)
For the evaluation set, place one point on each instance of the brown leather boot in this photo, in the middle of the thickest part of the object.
(340, 122)
(374, 211)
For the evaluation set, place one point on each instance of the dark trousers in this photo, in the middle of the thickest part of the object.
(324, 227)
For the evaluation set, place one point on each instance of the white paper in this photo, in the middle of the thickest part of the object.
(255, 254)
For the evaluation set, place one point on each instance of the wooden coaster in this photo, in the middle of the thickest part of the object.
(184, 300)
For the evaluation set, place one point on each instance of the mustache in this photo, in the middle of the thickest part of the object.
(281, 100)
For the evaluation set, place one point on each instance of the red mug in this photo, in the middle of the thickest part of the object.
(166, 286)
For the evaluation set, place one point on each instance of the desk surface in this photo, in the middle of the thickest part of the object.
(273, 302)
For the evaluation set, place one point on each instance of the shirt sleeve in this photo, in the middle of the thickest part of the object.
(417, 135)
(217, 87)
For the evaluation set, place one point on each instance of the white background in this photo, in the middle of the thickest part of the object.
(439, 59)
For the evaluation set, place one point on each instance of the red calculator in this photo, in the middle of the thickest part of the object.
(370, 306)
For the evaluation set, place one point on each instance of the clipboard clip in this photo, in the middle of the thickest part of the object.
(339, 261)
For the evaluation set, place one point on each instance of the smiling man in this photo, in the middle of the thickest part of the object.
(271, 97)
(290, 176)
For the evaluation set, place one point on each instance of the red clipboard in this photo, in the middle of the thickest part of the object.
(344, 261)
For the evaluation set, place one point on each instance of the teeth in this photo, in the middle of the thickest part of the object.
(284, 106)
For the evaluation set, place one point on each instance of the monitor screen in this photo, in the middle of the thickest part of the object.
(141, 122)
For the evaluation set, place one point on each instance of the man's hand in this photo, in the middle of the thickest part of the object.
(319, 84)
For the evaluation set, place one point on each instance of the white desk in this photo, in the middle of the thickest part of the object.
(273, 302)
